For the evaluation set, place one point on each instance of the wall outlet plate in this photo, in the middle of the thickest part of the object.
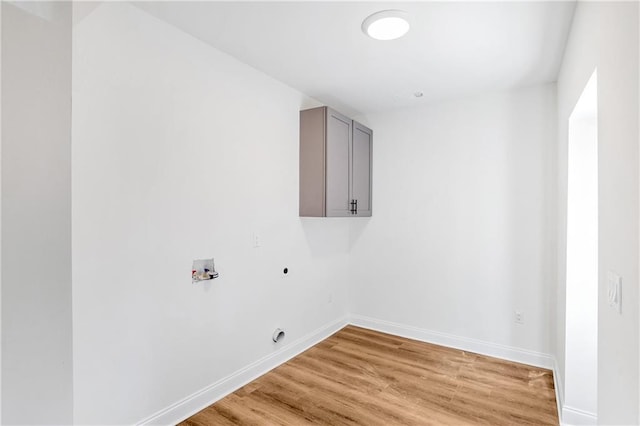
(256, 241)
(614, 291)
(518, 317)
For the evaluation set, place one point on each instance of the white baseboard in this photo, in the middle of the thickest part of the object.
(464, 343)
(575, 417)
(557, 384)
(569, 416)
(203, 398)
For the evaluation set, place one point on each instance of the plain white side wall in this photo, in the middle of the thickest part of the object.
(181, 152)
(0, 212)
(36, 214)
(605, 36)
(460, 236)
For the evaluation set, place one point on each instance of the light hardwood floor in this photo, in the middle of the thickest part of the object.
(362, 377)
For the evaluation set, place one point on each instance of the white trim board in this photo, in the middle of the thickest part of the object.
(574, 416)
(509, 353)
(557, 384)
(190, 405)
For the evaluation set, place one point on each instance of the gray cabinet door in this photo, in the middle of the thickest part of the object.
(361, 168)
(312, 162)
(335, 165)
(338, 163)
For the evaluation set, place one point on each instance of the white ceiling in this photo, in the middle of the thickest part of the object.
(453, 49)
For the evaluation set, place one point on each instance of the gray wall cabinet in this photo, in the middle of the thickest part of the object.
(335, 165)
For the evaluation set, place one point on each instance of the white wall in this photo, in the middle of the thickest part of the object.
(460, 236)
(36, 214)
(605, 35)
(0, 212)
(181, 152)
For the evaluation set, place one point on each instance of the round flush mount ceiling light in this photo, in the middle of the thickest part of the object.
(386, 24)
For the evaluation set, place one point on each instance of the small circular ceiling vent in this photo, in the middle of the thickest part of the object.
(386, 24)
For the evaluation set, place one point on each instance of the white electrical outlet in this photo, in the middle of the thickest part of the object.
(614, 291)
(518, 317)
(256, 241)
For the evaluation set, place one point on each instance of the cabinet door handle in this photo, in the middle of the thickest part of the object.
(354, 206)
(356, 212)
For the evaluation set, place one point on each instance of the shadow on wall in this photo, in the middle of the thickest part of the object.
(326, 237)
(357, 227)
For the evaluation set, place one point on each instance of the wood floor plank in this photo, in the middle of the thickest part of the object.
(363, 377)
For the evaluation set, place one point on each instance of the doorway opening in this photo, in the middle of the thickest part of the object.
(581, 351)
